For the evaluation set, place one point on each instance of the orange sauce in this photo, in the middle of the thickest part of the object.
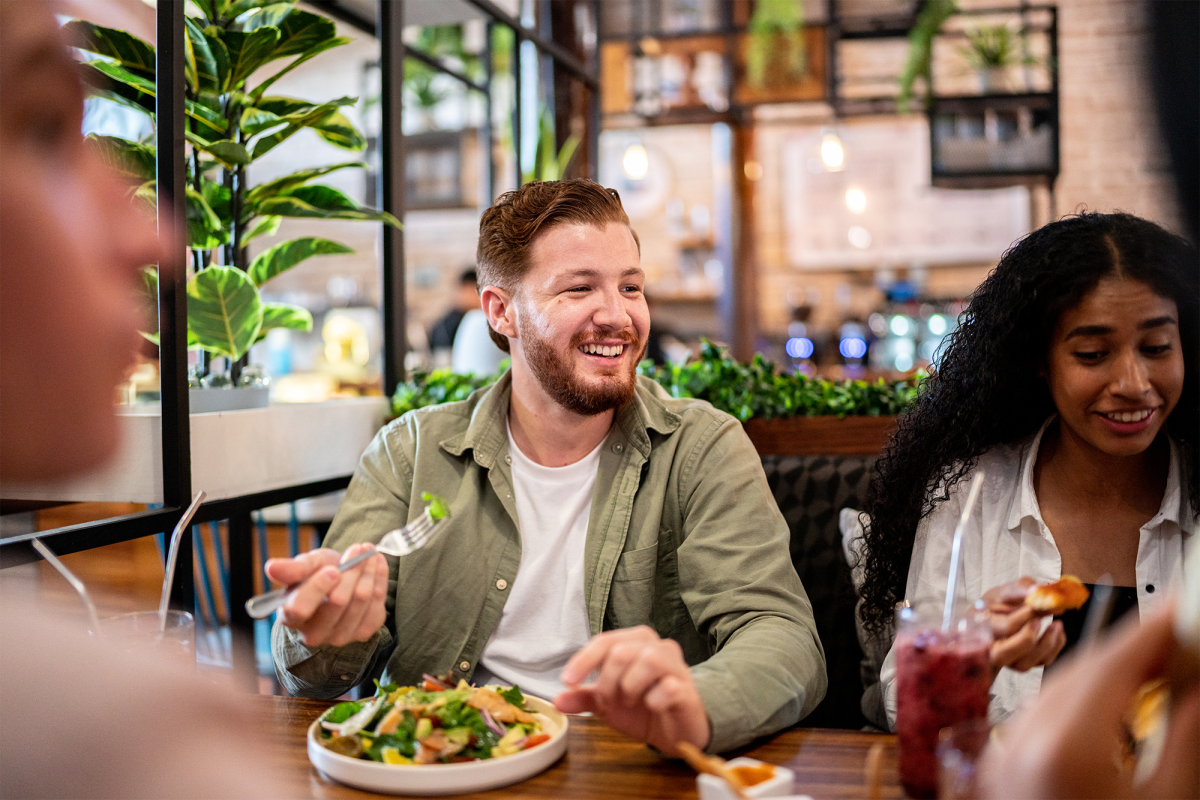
(752, 776)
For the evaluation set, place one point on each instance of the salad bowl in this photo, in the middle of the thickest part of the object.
(442, 779)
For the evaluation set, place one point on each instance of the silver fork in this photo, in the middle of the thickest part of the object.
(400, 542)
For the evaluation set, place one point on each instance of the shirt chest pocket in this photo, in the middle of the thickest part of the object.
(636, 565)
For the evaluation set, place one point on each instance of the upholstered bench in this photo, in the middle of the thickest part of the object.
(810, 491)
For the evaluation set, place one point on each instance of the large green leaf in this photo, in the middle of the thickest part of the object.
(286, 255)
(301, 31)
(126, 49)
(282, 315)
(131, 159)
(255, 121)
(209, 118)
(209, 8)
(140, 91)
(224, 310)
(117, 76)
(297, 178)
(205, 230)
(269, 16)
(212, 60)
(219, 199)
(312, 52)
(270, 112)
(232, 9)
(229, 153)
(293, 109)
(300, 114)
(339, 131)
(322, 202)
(248, 52)
(266, 226)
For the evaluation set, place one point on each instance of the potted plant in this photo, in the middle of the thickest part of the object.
(775, 46)
(231, 123)
(784, 413)
(919, 63)
(549, 165)
(990, 51)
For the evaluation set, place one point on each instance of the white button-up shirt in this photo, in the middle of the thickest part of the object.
(1006, 538)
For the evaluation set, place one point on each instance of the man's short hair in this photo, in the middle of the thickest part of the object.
(509, 228)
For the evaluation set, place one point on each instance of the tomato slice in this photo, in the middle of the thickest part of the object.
(534, 741)
(432, 687)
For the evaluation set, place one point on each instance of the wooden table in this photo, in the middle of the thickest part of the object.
(603, 764)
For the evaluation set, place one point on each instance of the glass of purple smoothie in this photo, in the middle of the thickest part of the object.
(942, 678)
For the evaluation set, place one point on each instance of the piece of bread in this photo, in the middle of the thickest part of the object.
(1055, 598)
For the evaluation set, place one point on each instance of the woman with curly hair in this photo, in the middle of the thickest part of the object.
(1072, 384)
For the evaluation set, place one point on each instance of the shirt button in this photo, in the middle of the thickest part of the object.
(502, 584)
(345, 677)
(618, 447)
(508, 459)
(1149, 588)
(464, 666)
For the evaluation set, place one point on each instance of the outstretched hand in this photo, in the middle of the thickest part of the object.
(334, 607)
(642, 688)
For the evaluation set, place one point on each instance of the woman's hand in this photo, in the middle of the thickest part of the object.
(1018, 642)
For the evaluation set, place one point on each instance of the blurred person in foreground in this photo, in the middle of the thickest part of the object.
(78, 718)
(1070, 743)
(598, 526)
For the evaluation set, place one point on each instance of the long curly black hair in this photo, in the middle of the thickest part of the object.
(986, 390)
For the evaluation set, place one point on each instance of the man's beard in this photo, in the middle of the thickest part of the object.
(556, 374)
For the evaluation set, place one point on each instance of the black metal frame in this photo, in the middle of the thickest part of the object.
(1045, 101)
(176, 429)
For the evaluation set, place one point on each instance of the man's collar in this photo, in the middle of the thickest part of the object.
(485, 434)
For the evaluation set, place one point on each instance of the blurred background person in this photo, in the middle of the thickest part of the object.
(442, 333)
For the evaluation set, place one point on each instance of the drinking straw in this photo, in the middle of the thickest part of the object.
(76, 584)
(956, 550)
(172, 557)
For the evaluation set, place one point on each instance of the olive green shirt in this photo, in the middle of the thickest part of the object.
(684, 536)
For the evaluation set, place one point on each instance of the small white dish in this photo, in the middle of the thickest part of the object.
(780, 784)
(441, 779)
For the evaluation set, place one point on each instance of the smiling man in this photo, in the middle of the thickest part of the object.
(609, 546)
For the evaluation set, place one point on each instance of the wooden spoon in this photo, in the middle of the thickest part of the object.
(712, 765)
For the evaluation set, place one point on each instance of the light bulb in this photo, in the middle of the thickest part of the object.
(635, 161)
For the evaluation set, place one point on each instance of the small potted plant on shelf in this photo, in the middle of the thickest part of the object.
(231, 123)
(991, 50)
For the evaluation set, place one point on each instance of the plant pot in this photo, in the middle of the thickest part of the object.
(993, 80)
(207, 401)
(820, 436)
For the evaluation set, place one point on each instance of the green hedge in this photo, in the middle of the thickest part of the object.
(756, 389)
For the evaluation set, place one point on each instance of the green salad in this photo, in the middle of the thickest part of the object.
(435, 723)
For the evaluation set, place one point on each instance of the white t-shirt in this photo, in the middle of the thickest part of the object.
(1006, 538)
(544, 621)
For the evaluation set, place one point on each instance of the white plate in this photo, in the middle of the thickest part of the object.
(435, 779)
